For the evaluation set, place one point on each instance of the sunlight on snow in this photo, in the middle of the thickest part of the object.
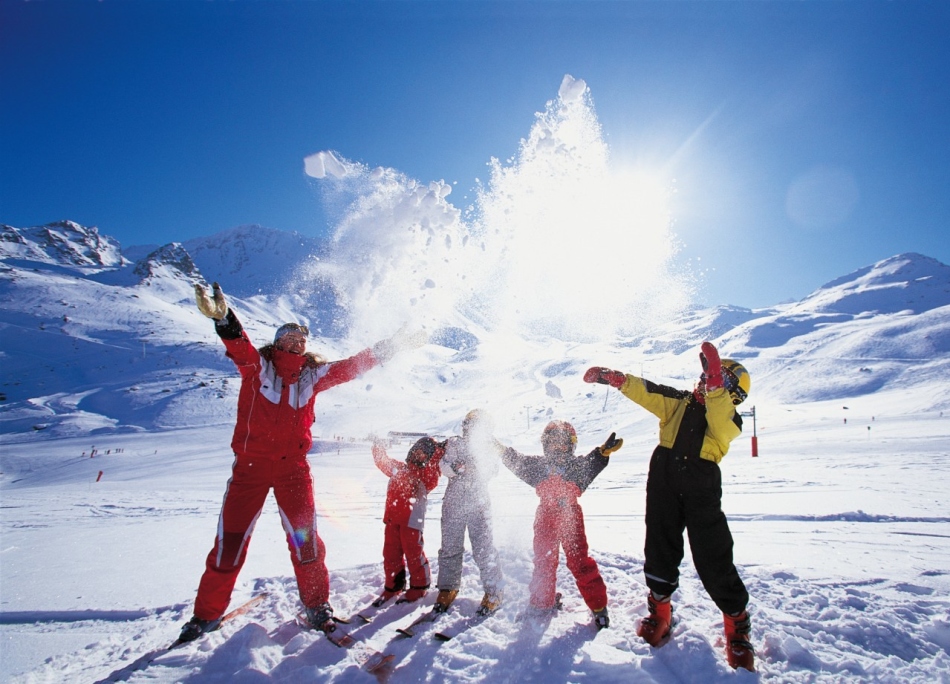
(556, 243)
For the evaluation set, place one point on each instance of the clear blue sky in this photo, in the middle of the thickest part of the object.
(807, 139)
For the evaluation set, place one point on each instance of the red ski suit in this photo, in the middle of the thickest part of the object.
(270, 443)
(559, 522)
(404, 517)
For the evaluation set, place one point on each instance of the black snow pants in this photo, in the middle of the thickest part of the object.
(685, 492)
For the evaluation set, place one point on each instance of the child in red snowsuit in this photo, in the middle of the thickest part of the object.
(559, 478)
(406, 499)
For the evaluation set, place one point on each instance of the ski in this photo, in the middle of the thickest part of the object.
(425, 618)
(144, 661)
(368, 613)
(368, 658)
(377, 662)
(329, 630)
(453, 631)
(237, 612)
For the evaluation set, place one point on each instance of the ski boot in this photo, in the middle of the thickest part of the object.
(321, 617)
(739, 651)
(655, 628)
(444, 600)
(533, 612)
(491, 602)
(413, 595)
(398, 584)
(195, 627)
(601, 619)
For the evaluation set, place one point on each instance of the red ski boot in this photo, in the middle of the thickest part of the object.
(739, 651)
(413, 594)
(655, 628)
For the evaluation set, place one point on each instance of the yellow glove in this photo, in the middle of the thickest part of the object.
(611, 445)
(215, 308)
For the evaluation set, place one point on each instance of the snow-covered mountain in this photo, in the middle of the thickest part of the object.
(94, 341)
(63, 243)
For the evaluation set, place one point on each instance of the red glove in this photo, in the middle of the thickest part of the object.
(605, 376)
(712, 366)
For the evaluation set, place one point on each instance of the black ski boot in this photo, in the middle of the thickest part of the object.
(321, 617)
(195, 627)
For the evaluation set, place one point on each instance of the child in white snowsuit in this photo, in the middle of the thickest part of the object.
(470, 461)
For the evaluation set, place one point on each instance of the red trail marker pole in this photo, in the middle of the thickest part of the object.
(755, 437)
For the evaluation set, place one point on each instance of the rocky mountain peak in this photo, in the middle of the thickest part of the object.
(65, 243)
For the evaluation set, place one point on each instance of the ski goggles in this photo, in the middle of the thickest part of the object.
(288, 328)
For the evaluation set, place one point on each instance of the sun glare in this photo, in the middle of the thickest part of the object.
(558, 242)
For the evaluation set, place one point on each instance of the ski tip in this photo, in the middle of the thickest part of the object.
(378, 661)
(405, 631)
(439, 636)
(341, 640)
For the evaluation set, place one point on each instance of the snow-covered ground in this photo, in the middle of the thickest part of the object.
(841, 536)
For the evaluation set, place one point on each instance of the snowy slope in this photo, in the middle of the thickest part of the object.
(884, 326)
(839, 538)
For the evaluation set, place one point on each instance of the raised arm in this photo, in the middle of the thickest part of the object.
(228, 327)
(530, 469)
(659, 400)
(387, 465)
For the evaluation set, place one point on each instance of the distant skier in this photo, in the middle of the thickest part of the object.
(559, 479)
(279, 384)
(469, 463)
(404, 517)
(684, 491)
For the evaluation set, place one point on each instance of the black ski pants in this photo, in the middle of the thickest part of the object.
(685, 493)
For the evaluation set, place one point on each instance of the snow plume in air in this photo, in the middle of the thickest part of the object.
(558, 243)
(391, 259)
(580, 250)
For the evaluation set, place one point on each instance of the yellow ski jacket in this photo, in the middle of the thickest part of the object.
(723, 422)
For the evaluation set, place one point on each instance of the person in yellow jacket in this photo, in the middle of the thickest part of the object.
(684, 492)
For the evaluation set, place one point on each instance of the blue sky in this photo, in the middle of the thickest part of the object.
(806, 139)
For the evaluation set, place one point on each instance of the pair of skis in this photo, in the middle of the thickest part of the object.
(447, 633)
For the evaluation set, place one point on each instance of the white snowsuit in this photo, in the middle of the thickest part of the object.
(467, 504)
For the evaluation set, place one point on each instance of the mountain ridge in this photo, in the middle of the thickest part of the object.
(95, 341)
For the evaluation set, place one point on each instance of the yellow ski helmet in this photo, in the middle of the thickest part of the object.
(736, 380)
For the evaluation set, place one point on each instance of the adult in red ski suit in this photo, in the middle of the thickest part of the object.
(559, 479)
(279, 384)
(404, 517)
